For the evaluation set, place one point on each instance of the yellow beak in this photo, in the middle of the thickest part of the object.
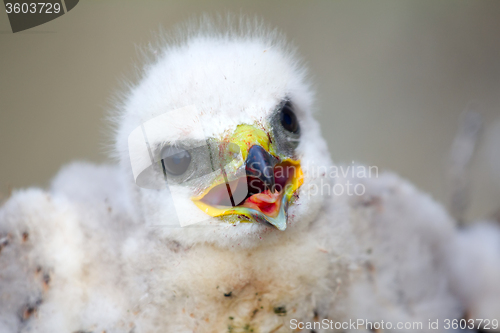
(263, 192)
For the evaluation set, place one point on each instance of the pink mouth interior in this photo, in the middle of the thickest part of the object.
(254, 195)
(266, 202)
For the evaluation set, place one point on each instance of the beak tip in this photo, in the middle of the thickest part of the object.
(280, 225)
(282, 228)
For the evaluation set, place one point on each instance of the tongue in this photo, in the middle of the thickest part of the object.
(266, 202)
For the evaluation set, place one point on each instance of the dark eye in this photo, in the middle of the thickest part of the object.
(175, 160)
(289, 119)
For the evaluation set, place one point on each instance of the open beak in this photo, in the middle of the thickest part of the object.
(263, 192)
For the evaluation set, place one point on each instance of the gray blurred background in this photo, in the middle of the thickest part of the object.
(393, 78)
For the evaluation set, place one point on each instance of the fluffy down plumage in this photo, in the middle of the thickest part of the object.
(82, 256)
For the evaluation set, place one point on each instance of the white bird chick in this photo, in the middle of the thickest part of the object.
(218, 136)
